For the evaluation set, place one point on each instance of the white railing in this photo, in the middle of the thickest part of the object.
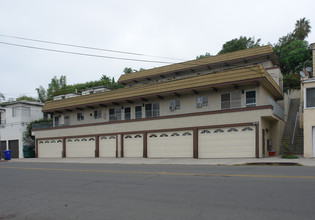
(277, 109)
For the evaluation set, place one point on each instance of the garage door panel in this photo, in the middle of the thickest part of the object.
(170, 144)
(227, 143)
(107, 146)
(50, 149)
(133, 145)
(80, 147)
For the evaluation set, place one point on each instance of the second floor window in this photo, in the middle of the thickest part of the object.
(97, 114)
(231, 100)
(201, 101)
(80, 116)
(138, 111)
(310, 98)
(56, 120)
(127, 113)
(152, 110)
(115, 114)
(174, 104)
(250, 98)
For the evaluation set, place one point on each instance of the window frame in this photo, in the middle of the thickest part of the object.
(204, 101)
(232, 101)
(174, 104)
(153, 111)
(248, 105)
(98, 114)
(80, 116)
(117, 114)
(306, 98)
(138, 114)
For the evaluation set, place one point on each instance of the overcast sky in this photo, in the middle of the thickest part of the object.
(179, 29)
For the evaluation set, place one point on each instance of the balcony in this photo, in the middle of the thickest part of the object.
(277, 109)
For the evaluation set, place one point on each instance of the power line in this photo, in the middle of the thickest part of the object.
(90, 48)
(85, 54)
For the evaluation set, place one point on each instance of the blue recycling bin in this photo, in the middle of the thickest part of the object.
(7, 154)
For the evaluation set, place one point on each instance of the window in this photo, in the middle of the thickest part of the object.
(115, 114)
(232, 130)
(310, 97)
(201, 101)
(231, 100)
(56, 121)
(138, 111)
(97, 114)
(174, 104)
(250, 98)
(67, 120)
(25, 111)
(187, 133)
(80, 116)
(127, 113)
(152, 110)
(15, 111)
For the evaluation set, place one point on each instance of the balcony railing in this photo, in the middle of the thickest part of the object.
(277, 109)
(152, 113)
(42, 125)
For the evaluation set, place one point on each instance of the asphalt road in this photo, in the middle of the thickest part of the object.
(102, 191)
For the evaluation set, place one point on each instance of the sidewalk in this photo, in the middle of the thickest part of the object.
(174, 161)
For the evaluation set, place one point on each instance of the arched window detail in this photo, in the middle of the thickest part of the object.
(91, 139)
(53, 141)
(59, 141)
(112, 137)
(205, 132)
(175, 134)
(83, 139)
(163, 135)
(187, 133)
(41, 142)
(138, 136)
(69, 140)
(219, 130)
(128, 136)
(247, 129)
(104, 137)
(76, 140)
(153, 136)
(232, 130)
(46, 142)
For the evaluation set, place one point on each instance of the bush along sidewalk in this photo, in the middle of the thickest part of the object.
(287, 154)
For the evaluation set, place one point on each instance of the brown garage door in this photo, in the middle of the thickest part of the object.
(3, 147)
(14, 147)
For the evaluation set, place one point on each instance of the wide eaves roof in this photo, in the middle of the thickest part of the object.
(232, 57)
(215, 80)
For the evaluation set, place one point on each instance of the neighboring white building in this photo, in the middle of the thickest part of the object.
(14, 118)
(93, 90)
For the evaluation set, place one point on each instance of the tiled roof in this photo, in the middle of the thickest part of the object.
(224, 58)
(250, 73)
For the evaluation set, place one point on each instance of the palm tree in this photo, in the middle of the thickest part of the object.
(302, 29)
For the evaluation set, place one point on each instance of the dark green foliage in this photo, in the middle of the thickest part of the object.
(27, 98)
(59, 87)
(239, 44)
(28, 139)
(203, 56)
(291, 81)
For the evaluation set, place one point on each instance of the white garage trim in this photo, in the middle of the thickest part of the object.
(50, 148)
(133, 145)
(170, 144)
(107, 146)
(80, 147)
(231, 142)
